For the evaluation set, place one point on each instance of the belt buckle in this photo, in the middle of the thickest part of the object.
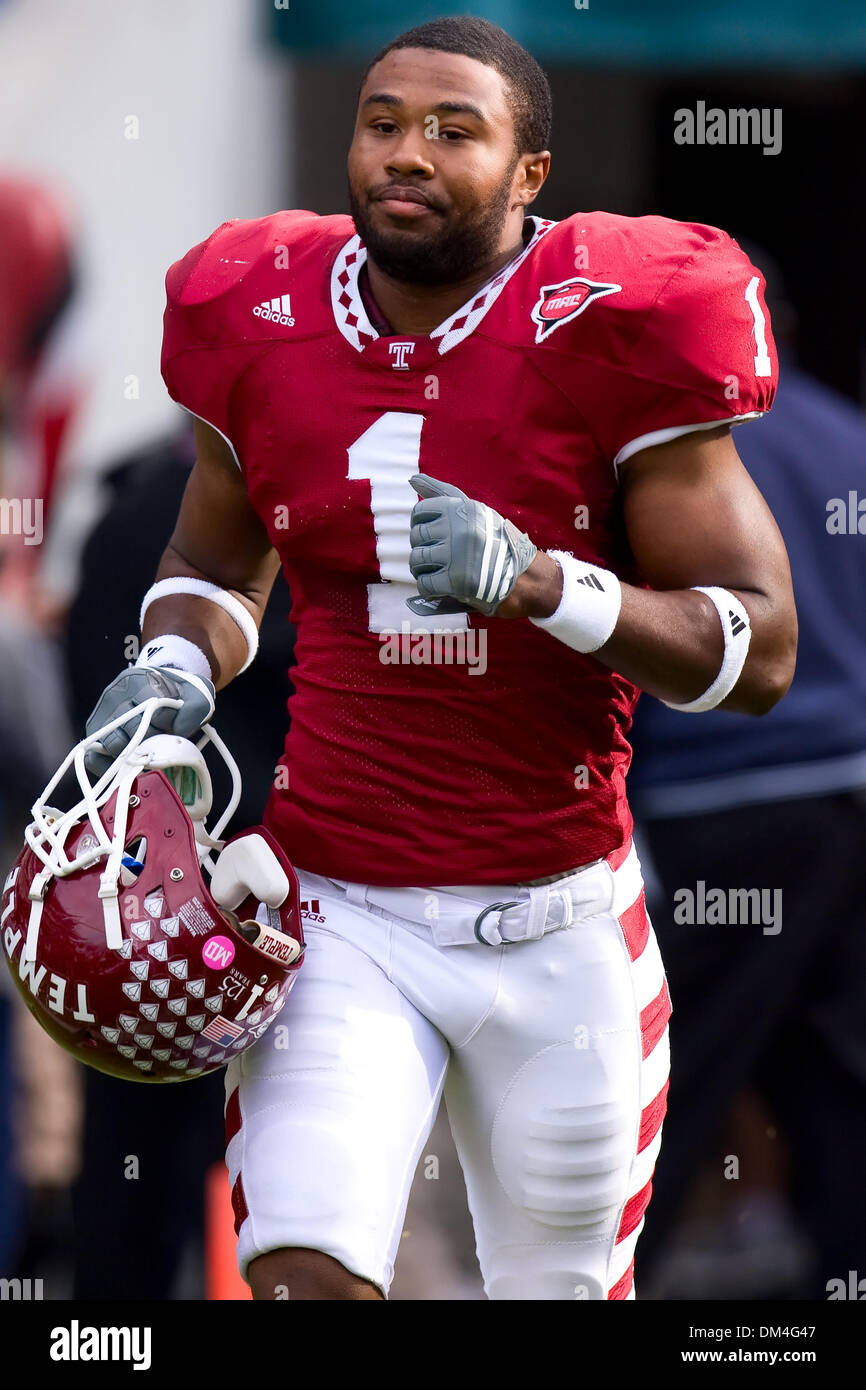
(493, 907)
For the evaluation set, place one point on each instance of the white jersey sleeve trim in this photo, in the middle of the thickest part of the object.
(216, 430)
(646, 441)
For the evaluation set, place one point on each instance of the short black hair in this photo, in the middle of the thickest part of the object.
(527, 87)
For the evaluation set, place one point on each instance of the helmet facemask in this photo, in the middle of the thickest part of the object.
(183, 763)
(120, 948)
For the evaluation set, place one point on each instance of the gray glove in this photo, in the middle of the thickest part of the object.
(464, 555)
(131, 688)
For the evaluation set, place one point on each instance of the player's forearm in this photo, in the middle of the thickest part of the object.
(670, 643)
(200, 621)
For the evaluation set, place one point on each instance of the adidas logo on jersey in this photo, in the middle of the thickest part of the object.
(277, 310)
(311, 911)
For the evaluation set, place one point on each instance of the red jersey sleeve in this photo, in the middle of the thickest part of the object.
(210, 331)
(197, 365)
(704, 354)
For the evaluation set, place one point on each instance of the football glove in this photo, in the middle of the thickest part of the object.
(132, 687)
(463, 555)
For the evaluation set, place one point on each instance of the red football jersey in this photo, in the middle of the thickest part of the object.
(492, 754)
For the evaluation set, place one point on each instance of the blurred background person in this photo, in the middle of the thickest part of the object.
(41, 394)
(41, 388)
(769, 1026)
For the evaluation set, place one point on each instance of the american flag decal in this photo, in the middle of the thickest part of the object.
(222, 1031)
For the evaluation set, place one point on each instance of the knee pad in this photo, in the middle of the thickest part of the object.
(563, 1146)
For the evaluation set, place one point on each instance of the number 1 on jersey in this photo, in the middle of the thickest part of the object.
(763, 365)
(388, 455)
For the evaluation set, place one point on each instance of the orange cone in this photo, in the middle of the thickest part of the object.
(223, 1283)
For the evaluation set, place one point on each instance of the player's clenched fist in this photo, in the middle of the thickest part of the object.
(128, 691)
(463, 553)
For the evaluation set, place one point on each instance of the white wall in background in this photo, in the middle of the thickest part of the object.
(212, 101)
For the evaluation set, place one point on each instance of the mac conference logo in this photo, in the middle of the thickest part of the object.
(559, 304)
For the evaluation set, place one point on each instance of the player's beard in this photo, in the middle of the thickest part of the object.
(455, 248)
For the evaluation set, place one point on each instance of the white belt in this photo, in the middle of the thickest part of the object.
(495, 916)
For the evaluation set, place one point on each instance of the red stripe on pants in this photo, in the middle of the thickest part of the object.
(239, 1204)
(233, 1116)
(651, 1118)
(622, 1287)
(634, 1210)
(635, 926)
(654, 1018)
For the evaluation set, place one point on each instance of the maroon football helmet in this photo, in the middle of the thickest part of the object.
(119, 948)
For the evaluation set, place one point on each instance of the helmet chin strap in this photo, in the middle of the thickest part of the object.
(108, 880)
(49, 830)
(111, 872)
(38, 888)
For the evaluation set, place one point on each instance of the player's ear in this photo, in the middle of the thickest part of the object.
(532, 171)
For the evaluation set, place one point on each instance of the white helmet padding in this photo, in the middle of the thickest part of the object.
(248, 866)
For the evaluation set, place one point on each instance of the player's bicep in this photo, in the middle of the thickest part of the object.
(218, 532)
(694, 516)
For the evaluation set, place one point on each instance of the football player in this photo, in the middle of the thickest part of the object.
(493, 455)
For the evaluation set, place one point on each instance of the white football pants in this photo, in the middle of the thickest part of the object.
(553, 1055)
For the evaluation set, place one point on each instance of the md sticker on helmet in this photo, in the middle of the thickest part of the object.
(218, 952)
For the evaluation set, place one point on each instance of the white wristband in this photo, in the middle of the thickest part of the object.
(738, 634)
(173, 650)
(589, 607)
(203, 588)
